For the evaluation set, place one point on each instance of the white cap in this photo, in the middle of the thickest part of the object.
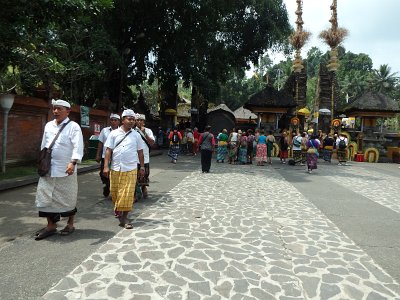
(60, 102)
(128, 113)
(115, 116)
(140, 117)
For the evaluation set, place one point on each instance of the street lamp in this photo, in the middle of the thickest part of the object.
(6, 102)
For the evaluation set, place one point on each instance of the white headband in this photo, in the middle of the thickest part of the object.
(128, 113)
(60, 102)
(115, 116)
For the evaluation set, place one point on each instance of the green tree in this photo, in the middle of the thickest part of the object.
(383, 80)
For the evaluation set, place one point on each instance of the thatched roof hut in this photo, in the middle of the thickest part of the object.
(270, 100)
(372, 104)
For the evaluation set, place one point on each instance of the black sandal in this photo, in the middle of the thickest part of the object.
(44, 234)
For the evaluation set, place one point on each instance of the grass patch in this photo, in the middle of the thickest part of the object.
(19, 171)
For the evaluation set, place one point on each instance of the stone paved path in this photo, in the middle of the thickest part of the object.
(207, 240)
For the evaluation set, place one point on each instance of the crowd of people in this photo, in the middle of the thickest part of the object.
(124, 157)
(243, 147)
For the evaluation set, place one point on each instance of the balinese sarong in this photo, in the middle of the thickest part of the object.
(173, 151)
(327, 153)
(242, 157)
(122, 187)
(222, 151)
(57, 194)
(297, 156)
(143, 181)
(342, 155)
(232, 151)
(261, 154)
(312, 160)
(283, 154)
(270, 146)
(303, 156)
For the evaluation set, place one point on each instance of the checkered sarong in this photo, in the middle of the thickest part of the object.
(122, 188)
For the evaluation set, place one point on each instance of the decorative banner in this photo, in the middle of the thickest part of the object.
(97, 128)
(85, 116)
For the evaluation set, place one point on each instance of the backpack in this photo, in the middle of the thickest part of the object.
(243, 141)
(296, 142)
(342, 144)
(175, 138)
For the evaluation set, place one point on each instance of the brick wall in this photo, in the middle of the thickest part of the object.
(26, 121)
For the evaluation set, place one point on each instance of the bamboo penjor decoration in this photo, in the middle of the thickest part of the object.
(299, 38)
(334, 36)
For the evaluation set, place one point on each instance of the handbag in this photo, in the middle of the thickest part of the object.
(44, 161)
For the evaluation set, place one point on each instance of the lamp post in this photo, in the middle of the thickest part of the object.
(6, 102)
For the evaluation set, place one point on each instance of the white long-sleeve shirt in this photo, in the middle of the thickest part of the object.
(146, 150)
(68, 146)
(124, 156)
(103, 138)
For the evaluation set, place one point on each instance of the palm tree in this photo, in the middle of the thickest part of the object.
(383, 80)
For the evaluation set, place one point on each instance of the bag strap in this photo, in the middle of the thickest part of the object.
(58, 134)
(143, 138)
(122, 139)
(204, 138)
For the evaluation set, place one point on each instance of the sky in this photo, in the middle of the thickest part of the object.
(374, 27)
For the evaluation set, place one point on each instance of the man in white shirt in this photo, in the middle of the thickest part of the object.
(148, 138)
(57, 192)
(101, 150)
(125, 146)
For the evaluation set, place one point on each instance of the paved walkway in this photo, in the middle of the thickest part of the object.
(228, 235)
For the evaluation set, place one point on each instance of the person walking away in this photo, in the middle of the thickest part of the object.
(341, 146)
(242, 154)
(270, 146)
(206, 143)
(101, 150)
(183, 145)
(233, 146)
(174, 138)
(284, 147)
(261, 154)
(328, 148)
(160, 137)
(196, 136)
(222, 150)
(57, 192)
(250, 146)
(124, 153)
(296, 144)
(312, 153)
(190, 141)
(148, 138)
(304, 141)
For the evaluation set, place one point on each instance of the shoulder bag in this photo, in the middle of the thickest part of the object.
(44, 161)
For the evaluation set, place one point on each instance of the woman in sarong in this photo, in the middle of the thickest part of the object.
(284, 147)
(312, 153)
(270, 146)
(222, 150)
(261, 154)
(328, 147)
(242, 156)
(233, 146)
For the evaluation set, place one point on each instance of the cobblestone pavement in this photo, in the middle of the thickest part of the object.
(210, 238)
